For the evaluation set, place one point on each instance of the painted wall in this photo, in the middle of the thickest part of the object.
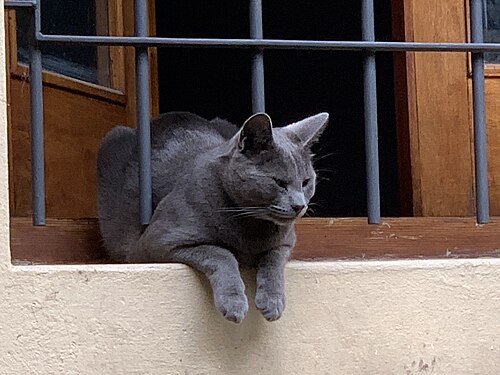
(395, 317)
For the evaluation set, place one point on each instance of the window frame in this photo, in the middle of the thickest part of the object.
(114, 94)
(331, 236)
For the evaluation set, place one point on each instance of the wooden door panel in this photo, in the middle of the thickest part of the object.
(74, 125)
(438, 111)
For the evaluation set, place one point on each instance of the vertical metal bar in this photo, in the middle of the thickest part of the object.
(142, 109)
(36, 99)
(256, 32)
(370, 108)
(482, 201)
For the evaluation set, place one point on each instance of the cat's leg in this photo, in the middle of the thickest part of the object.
(270, 294)
(221, 268)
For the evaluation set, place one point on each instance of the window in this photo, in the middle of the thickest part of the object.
(492, 28)
(71, 65)
(426, 170)
(87, 17)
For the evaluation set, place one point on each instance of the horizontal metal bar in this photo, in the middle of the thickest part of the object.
(19, 3)
(268, 43)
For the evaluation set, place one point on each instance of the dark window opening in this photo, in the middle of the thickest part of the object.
(213, 82)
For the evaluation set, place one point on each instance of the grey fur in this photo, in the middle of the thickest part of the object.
(221, 196)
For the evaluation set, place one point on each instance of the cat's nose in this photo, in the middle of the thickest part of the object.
(298, 208)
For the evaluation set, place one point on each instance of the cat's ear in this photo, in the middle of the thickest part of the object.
(256, 134)
(309, 129)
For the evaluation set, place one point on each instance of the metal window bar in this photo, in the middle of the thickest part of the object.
(142, 109)
(37, 147)
(370, 103)
(481, 167)
(256, 32)
(369, 46)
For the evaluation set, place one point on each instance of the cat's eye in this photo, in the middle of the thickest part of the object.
(281, 183)
(306, 182)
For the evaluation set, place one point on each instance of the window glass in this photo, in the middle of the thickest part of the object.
(492, 28)
(70, 17)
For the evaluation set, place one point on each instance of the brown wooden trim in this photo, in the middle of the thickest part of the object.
(438, 94)
(115, 63)
(103, 56)
(11, 37)
(116, 53)
(153, 64)
(397, 238)
(70, 84)
(78, 241)
(492, 70)
(60, 241)
(401, 91)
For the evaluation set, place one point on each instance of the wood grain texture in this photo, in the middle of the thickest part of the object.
(74, 126)
(440, 130)
(116, 53)
(403, 74)
(73, 85)
(60, 241)
(78, 241)
(492, 97)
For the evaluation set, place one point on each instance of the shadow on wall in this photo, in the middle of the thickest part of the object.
(217, 83)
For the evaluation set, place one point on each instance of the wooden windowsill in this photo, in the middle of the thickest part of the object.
(78, 241)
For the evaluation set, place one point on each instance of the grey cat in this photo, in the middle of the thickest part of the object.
(221, 196)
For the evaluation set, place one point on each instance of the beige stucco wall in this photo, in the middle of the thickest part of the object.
(394, 317)
(439, 317)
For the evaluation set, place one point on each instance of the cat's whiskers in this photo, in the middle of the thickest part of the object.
(239, 209)
(244, 212)
(248, 215)
(316, 159)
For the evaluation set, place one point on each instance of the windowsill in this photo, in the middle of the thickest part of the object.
(334, 266)
(77, 241)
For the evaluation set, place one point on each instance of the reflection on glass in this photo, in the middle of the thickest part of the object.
(492, 28)
(70, 17)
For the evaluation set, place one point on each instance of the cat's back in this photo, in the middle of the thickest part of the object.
(185, 132)
(177, 139)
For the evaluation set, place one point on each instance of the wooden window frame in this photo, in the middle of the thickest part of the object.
(78, 241)
(115, 59)
(491, 70)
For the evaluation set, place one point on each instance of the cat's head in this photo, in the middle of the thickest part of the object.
(270, 173)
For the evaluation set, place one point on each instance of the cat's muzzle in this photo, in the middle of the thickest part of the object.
(281, 216)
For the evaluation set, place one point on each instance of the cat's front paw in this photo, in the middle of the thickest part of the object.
(233, 306)
(271, 305)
